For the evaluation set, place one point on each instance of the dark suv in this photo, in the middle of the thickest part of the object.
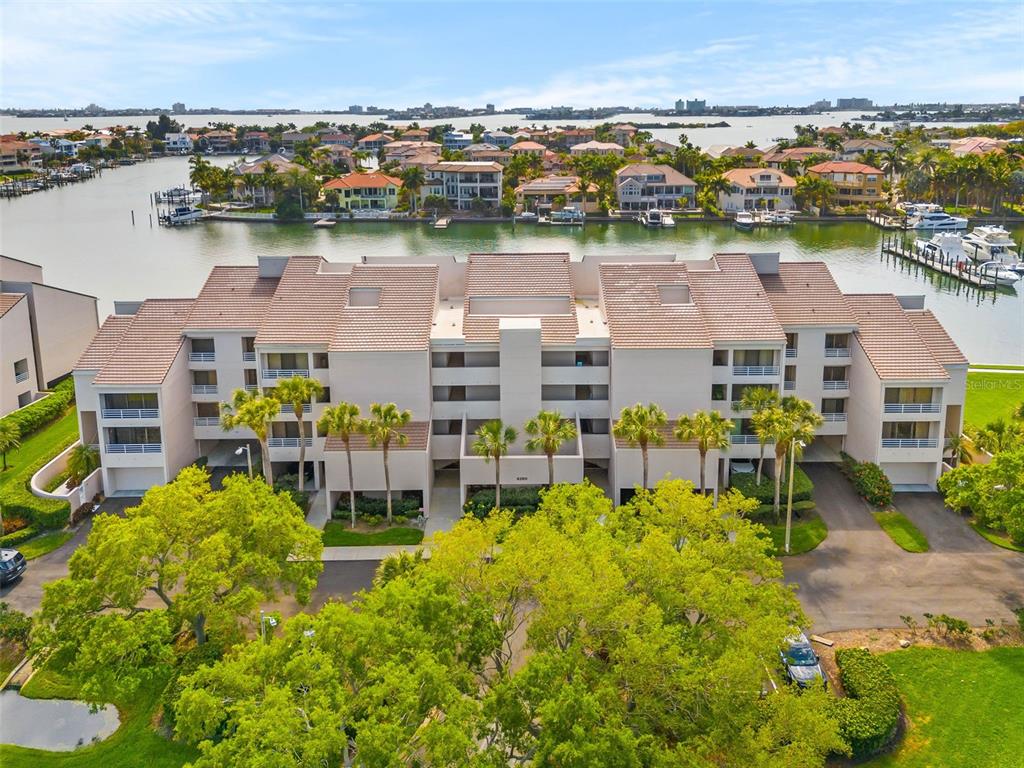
(12, 565)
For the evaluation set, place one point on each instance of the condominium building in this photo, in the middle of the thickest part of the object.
(43, 330)
(462, 341)
(640, 186)
(462, 183)
(855, 183)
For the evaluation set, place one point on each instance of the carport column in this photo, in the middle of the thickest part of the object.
(520, 370)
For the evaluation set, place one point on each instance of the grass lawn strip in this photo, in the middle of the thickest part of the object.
(49, 441)
(991, 396)
(805, 535)
(338, 534)
(904, 533)
(982, 366)
(44, 544)
(10, 654)
(963, 708)
(134, 744)
(994, 537)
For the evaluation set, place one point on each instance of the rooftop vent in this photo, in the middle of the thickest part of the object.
(364, 297)
(676, 293)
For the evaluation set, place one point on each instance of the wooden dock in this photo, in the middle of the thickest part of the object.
(967, 271)
(442, 223)
(887, 222)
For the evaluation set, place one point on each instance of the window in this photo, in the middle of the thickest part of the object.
(718, 391)
(905, 395)
(591, 391)
(446, 426)
(790, 373)
(202, 345)
(837, 341)
(325, 396)
(249, 344)
(835, 373)
(204, 377)
(133, 400)
(286, 361)
(594, 426)
(250, 377)
(905, 430)
(320, 360)
(720, 357)
(753, 357)
(833, 405)
(133, 435)
(207, 410)
(791, 341)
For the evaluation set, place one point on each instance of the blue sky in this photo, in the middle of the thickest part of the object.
(321, 56)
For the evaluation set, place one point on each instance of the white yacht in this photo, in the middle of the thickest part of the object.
(998, 271)
(915, 209)
(651, 218)
(183, 214)
(946, 247)
(936, 220)
(667, 220)
(745, 220)
(993, 243)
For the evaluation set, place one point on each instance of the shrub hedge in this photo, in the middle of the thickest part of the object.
(521, 500)
(868, 479)
(40, 413)
(371, 507)
(765, 511)
(870, 713)
(745, 483)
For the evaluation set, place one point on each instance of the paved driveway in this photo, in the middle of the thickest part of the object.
(858, 578)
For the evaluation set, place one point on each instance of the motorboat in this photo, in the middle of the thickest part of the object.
(936, 220)
(667, 221)
(650, 218)
(945, 247)
(182, 214)
(775, 218)
(569, 215)
(992, 243)
(999, 272)
(744, 220)
(527, 216)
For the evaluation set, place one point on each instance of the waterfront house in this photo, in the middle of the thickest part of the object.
(64, 147)
(337, 155)
(975, 145)
(751, 188)
(43, 331)
(623, 134)
(855, 183)
(853, 149)
(640, 186)
(43, 143)
(488, 153)
(456, 140)
(414, 134)
(290, 138)
(661, 147)
(400, 151)
(500, 139)
(178, 142)
(335, 139)
(16, 154)
(259, 192)
(570, 137)
(749, 157)
(462, 183)
(374, 142)
(527, 148)
(554, 192)
(257, 142)
(359, 191)
(217, 141)
(501, 336)
(794, 158)
(552, 162)
(597, 148)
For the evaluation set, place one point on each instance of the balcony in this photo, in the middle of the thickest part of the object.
(288, 442)
(287, 409)
(248, 357)
(204, 389)
(904, 442)
(913, 407)
(837, 351)
(202, 357)
(252, 387)
(833, 416)
(206, 421)
(835, 385)
(789, 385)
(20, 377)
(134, 448)
(130, 413)
(285, 373)
(743, 439)
(755, 370)
(790, 351)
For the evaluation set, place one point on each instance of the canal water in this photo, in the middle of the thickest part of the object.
(84, 237)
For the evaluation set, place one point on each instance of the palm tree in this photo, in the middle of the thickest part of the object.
(82, 462)
(297, 392)
(249, 185)
(710, 431)
(10, 438)
(999, 435)
(493, 441)
(640, 425)
(343, 421)
(256, 412)
(797, 424)
(413, 179)
(758, 400)
(200, 170)
(548, 430)
(960, 448)
(382, 428)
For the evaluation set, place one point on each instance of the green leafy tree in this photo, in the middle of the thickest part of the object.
(209, 558)
(382, 429)
(83, 460)
(493, 440)
(413, 180)
(254, 411)
(999, 435)
(641, 426)
(548, 431)
(343, 421)
(10, 438)
(298, 391)
(993, 492)
(710, 430)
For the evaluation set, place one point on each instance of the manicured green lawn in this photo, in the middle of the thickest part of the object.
(10, 654)
(999, 367)
(44, 543)
(964, 708)
(134, 744)
(904, 533)
(991, 396)
(995, 537)
(804, 536)
(48, 441)
(338, 534)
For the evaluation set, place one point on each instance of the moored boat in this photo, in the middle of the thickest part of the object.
(993, 243)
(744, 220)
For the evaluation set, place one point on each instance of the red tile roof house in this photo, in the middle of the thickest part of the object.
(641, 186)
(855, 183)
(358, 191)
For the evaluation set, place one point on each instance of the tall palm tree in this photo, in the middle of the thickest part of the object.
(343, 421)
(798, 424)
(10, 438)
(413, 180)
(256, 412)
(382, 428)
(710, 431)
(640, 425)
(82, 462)
(297, 392)
(960, 448)
(548, 430)
(493, 439)
(758, 400)
(999, 435)
(199, 171)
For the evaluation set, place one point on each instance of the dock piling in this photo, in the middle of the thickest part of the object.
(133, 217)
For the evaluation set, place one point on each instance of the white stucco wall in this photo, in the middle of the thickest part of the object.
(679, 380)
(65, 324)
(363, 378)
(15, 345)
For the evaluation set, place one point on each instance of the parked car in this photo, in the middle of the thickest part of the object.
(12, 565)
(802, 665)
(741, 467)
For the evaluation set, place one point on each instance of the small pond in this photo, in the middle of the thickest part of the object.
(59, 725)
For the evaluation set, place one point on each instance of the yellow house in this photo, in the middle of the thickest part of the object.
(855, 183)
(366, 190)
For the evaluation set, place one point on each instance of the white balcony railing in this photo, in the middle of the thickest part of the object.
(134, 448)
(202, 357)
(204, 389)
(835, 385)
(252, 387)
(285, 373)
(206, 421)
(130, 413)
(288, 409)
(20, 377)
(755, 370)
(288, 442)
(743, 439)
(837, 351)
(789, 385)
(248, 357)
(790, 351)
(904, 442)
(834, 416)
(913, 407)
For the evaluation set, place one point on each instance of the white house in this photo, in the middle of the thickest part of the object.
(751, 188)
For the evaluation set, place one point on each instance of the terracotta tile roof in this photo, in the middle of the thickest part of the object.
(232, 297)
(843, 166)
(304, 307)
(519, 274)
(745, 177)
(672, 176)
(277, 162)
(554, 184)
(935, 337)
(733, 302)
(671, 441)
(586, 146)
(104, 342)
(402, 319)
(797, 154)
(891, 341)
(636, 317)
(418, 433)
(8, 300)
(804, 293)
(363, 181)
(148, 345)
(525, 146)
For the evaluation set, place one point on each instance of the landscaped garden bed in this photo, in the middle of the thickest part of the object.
(338, 533)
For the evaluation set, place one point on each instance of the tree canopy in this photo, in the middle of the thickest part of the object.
(994, 492)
